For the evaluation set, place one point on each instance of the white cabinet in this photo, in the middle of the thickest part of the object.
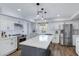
(77, 45)
(75, 26)
(13, 42)
(55, 38)
(3, 47)
(74, 39)
(8, 45)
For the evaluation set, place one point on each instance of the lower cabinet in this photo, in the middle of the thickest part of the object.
(55, 39)
(8, 46)
(77, 46)
(33, 51)
(74, 39)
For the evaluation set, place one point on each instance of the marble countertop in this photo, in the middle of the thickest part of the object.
(6, 38)
(41, 41)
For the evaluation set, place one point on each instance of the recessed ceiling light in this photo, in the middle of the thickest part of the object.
(18, 9)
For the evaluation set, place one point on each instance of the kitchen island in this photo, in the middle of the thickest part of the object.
(36, 46)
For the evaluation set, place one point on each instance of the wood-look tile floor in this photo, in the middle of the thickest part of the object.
(16, 53)
(56, 50)
(59, 50)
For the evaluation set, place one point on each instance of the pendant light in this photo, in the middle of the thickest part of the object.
(37, 8)
(45, 14)
(41, 13)
(37, 14)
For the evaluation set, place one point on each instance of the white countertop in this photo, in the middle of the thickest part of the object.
(41, 41)
(6, 38)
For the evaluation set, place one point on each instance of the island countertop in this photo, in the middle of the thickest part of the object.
(41, 41)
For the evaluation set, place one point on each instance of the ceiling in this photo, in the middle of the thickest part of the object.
(29, 10)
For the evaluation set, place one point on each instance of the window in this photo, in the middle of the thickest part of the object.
(43, 27)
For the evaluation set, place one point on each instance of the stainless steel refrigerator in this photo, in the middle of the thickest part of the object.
(66, 38)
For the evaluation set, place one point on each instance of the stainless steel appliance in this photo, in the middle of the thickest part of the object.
(66, 35)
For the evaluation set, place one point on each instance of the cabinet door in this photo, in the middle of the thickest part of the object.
(2, 48)
(74, 40)
(75, 26)
(5, 47)
(77, 47)
(8, 46)
(13, 43)
(55, 39)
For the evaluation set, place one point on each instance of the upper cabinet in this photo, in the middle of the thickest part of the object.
(9, 24)
(18, 28)
(76, 26)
